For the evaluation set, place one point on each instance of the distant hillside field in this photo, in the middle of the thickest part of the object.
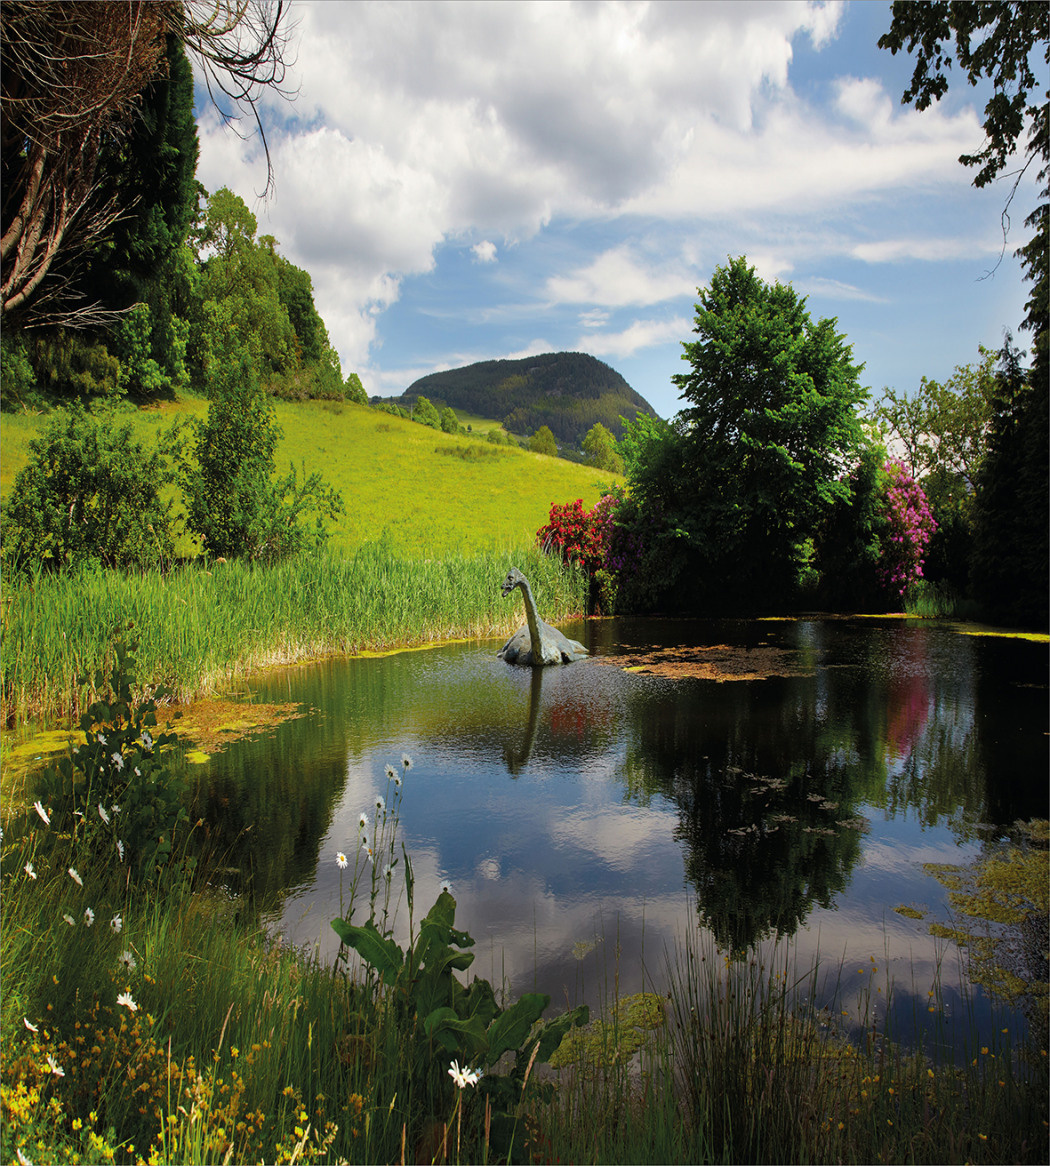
(567, 391)
(428, 493)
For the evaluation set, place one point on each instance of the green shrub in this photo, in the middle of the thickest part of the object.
(89, 493)
(354, 391)
(468, 453)
(233, 502)
(426, 414)
(74, 367)
(17, 379)
(542, 441)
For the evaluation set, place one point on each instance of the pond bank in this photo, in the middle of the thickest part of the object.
(202, 630)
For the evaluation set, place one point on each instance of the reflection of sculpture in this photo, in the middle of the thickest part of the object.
(517, 759)
(537, 642)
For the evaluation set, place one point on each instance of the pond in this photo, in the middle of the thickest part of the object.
(589, 817)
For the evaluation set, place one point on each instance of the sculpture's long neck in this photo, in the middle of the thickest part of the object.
(531, 618)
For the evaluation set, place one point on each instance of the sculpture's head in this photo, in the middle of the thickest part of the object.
(514, 579)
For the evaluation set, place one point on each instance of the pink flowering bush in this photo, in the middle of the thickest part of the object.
(909, 527)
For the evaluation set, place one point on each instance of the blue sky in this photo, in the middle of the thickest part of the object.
(470, 181)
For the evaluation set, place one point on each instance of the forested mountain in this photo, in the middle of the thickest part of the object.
(567, 391)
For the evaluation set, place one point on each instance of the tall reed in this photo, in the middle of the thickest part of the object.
(202, 628)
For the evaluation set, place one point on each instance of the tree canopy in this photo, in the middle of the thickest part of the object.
(71, 80)
(767, 438)
(1004, 43)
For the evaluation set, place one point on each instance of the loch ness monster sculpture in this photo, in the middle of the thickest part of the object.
(537, 643)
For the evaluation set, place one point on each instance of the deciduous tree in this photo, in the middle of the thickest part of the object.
(767, 437)
(542, 441)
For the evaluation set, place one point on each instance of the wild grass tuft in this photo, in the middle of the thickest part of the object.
(937, 600)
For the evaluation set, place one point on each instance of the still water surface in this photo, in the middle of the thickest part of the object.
(585, 812)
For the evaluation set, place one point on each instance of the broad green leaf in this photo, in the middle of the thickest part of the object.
(510, 1029)
(383, 954)
(554, 1030)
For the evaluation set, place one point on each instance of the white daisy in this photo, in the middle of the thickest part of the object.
(340, 860)
(116, 923)
(406, 761)
(380, 805)
(101, 740)
(42, 812)
(28, 868)
(120, 849)
(89, 916)
(126, 960)
(125, 1000)
(446, 886)
(31, 1027)
(75, 877)
(70, 920)
(462, 1077)
(102, 814)
(362, 821)
(54, 1066)
(391, 773)
(118, 761)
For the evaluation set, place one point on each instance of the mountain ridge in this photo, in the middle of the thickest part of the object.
(569, 392)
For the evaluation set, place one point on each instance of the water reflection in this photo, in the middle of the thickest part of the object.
(580, 804)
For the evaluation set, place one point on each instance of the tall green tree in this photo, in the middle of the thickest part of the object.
(151, 171)
(1008, 44)
(542, 441)
(600, 447)
(239, 292)
(1011, 556)
(767, 437)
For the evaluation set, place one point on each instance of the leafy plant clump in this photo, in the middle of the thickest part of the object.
(115, 795)
(431, 1021)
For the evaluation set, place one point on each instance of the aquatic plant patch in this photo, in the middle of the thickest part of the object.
(720, 662)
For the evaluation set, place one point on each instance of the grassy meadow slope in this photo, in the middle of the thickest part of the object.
(393, 478)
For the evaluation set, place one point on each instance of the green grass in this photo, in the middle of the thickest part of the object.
(242, 1050)
(393, 481)
(201, 629)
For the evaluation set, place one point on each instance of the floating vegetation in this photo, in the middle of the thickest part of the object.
(1002, 900)
(910, 912)
(607, 1041)
(720, 662)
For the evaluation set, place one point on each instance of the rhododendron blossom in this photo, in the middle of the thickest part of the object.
(592, 538)
(910, 526)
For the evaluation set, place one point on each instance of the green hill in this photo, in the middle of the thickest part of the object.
(428, 493)
(567, 391)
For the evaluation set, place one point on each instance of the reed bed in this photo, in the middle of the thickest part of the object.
(746, 1067)
(202, 628)
(240, 1045)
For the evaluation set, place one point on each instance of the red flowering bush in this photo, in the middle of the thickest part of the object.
(596, 542)
(909, 527)
(578, 535)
